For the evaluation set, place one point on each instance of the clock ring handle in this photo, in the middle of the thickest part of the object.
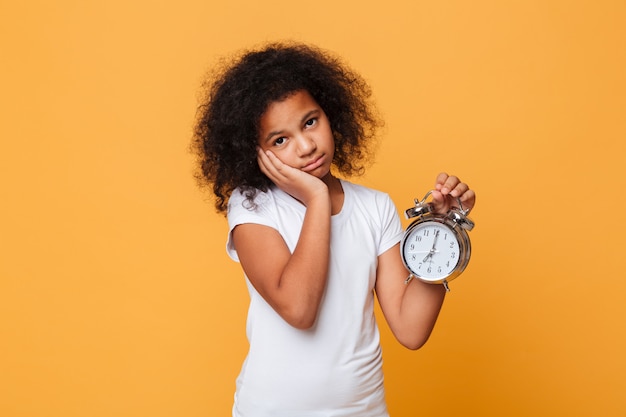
(421, 207)
(464, 211)
(459, 216)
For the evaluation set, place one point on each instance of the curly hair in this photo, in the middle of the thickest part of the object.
(237, 94)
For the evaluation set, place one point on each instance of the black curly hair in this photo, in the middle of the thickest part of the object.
(238, 93)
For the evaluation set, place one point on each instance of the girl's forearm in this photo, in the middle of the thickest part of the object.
(304, 277)
(419, 309)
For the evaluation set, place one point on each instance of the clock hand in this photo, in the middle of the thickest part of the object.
(432, 250)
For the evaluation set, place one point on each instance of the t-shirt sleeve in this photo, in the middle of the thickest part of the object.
(241, 212)
(391, 227)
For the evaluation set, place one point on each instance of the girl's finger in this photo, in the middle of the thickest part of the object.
(441, 179)
(468, 199)
(459, 189)
(268, 167)
(450, 184)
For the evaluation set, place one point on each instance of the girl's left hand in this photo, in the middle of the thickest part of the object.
(447, 189)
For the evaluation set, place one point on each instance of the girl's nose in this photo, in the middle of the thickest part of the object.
(306, 145)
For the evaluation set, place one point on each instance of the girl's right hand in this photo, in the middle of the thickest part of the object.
(291, 280)
(300, 185)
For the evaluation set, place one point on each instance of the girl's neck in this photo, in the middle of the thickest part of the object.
(335, 190)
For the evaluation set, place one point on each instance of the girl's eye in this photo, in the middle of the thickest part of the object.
(311, 122)
(280, 141)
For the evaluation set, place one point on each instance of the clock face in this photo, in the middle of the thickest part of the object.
(431, 250)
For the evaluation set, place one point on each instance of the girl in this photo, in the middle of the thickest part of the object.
(273, 129)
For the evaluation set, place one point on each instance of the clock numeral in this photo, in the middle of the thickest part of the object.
(418, 238)
(451, 245)
(453, 255)
(426, 233)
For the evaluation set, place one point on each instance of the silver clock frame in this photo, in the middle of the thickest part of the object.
(459, 224)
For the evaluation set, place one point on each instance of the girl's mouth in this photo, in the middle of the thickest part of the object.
(315, 163)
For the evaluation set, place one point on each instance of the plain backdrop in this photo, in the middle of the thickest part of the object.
(117, 297)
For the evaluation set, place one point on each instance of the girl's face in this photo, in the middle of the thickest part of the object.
(298, 132)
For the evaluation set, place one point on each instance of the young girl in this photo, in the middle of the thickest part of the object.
(273, 128)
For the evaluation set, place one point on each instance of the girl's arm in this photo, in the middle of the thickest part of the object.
(411, 310)
(293, 284)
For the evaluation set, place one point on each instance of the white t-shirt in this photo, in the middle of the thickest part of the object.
(334, 368)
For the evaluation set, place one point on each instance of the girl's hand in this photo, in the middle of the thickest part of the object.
(300, 185)
(447, 189)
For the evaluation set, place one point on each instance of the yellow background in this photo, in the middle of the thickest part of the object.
(117, 297)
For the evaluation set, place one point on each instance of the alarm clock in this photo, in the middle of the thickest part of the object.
(436, 247)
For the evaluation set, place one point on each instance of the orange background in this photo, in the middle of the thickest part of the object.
(117, 297)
